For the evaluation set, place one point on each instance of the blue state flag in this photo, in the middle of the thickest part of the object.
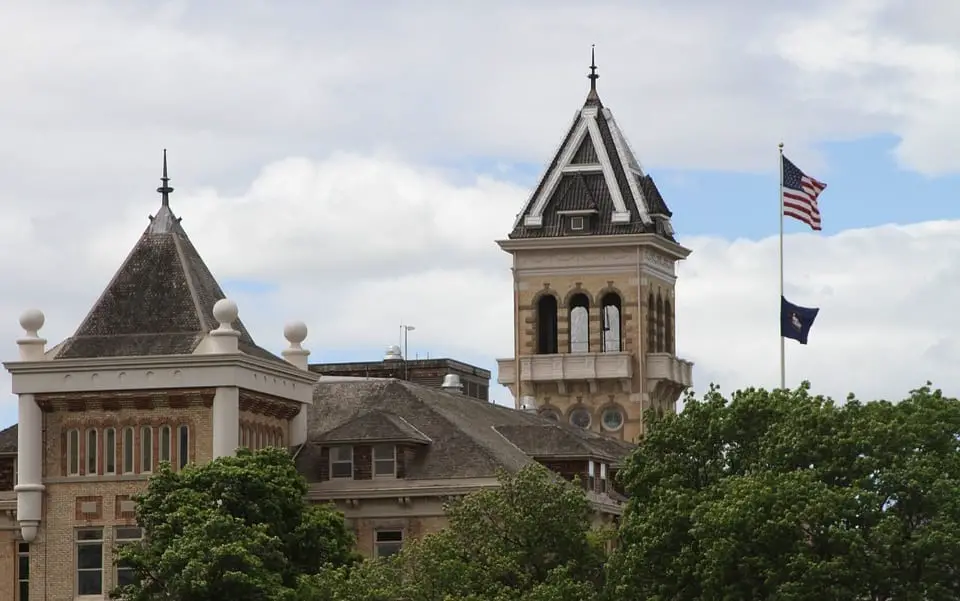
(796, 321)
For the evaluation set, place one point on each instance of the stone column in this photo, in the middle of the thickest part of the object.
(226, 421)
(29, 486)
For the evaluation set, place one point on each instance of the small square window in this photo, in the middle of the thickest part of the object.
(341, 462)
(577, 223)
(388, 542)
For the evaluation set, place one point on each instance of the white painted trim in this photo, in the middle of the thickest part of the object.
(583, 168)
(608, 173)
(623, 149)
(543, 176)
(553, 179)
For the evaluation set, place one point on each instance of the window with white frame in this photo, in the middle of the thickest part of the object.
(183, 446)
(387, 542)
(146, 449)
(93, 447)
(166, 444)
(341, 462)
(73, 452)
(89, 561)
(128, 451)
(603, 477)
(125, 535)
(23, 572)
(591, 474)
(385, 461)
(110, 451)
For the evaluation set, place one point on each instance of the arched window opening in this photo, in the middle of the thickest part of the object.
(668, 327)
(183, 446)
(547, 325)
(146, 449)
(579, 324)
(73, 452)
(612, 342)
(93, 446)
(128, 450)
(166, 444)
(660, 338)
(110, 451)
(651, 325)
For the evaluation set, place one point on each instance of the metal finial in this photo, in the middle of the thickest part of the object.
(593, 68)
(165, 189)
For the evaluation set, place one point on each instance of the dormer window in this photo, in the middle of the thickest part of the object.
(341, 463)
(578, 223)
(385, 461)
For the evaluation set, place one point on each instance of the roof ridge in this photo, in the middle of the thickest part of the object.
(191, 285)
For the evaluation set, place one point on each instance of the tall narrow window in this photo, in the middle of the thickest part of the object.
(603, 477)
(579, 324)
(183, 446)
(166, 444)
(668, 328)
(547, 325)
(591, 475)
(92, 449)
(89, 561)
(659, 323)
(385, 461)
(651, 324)
(110, 451)
(128, 452)
(23, 572)
(341, 462)
(146, 449)
(73, 452)
(125, 535)
(244, 437)
(611, 323)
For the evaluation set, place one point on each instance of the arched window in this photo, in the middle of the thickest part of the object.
(651, 324)
(612, 343)
(183, 446)
(92, 451)
(579, 324)
(128, 450)
(166, 444)
(110, 451)
(73, 452)
(547, 325)
(146, 449)
(668, 327)
(659, 323)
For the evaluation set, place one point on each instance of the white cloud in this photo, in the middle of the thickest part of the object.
(420, 248)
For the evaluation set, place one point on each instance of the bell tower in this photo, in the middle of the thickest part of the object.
(594, 269)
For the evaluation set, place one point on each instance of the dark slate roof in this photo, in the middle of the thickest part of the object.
(160, 301)
(8, 439)
(591, 190)
(374, 426)
(468, 438)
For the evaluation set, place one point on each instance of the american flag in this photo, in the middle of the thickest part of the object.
(800, 192)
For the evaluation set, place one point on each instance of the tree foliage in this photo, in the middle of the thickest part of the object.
(235, 529)
(783, 495)
(530, 539)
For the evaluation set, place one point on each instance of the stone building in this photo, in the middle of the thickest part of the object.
(163, 370)
(594, 269)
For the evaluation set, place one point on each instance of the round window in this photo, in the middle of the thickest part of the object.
(580, 418)
(612, 419)
(550, 414)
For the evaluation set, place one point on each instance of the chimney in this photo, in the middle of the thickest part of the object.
(528, 404)
(451, 383)
(393, 353)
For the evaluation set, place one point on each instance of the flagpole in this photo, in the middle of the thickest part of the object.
(783, 360)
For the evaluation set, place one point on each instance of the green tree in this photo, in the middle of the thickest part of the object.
(788, 496)
(530, 539)
(235, 529)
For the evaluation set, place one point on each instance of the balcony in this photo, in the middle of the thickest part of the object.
(667, 374)
(571, 367)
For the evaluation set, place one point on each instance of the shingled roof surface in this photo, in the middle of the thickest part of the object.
(160, 302)
(468, 438)
(8, 439)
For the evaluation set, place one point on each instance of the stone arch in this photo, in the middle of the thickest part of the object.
(602, 414)
(580, 407)
(577, 289)
(546, 307)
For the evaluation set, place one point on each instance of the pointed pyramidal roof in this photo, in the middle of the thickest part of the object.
(594, 173)
(160, 301)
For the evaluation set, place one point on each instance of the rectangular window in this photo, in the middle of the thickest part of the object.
(603, 477)
(591, 475)
(387, 542)
(89, 562)
(124, 535)
(166, 444)
(146, 449)
(73, 452)
(110, 451)
(385, 461)
(576, 223)
(92, 447)
(128, 450)
(183, 446)
(23, 572)
(341, 462)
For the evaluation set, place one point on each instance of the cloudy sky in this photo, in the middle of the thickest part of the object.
(352, 167)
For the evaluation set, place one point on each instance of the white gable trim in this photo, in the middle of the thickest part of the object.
(620, 214)
(526, 206)
(583, 168)
(630, 166)
(535, 218)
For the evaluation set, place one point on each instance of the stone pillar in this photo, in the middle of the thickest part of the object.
(296, 355)
(226, 421)
(29, 486)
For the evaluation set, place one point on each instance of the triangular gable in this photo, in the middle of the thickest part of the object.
(374, 426)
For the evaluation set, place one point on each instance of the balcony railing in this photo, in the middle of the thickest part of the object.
(668, 368)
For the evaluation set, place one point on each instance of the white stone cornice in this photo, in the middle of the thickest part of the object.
(670, 249)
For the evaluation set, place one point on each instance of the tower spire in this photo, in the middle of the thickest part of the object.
(165, 189)
(593, 77)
